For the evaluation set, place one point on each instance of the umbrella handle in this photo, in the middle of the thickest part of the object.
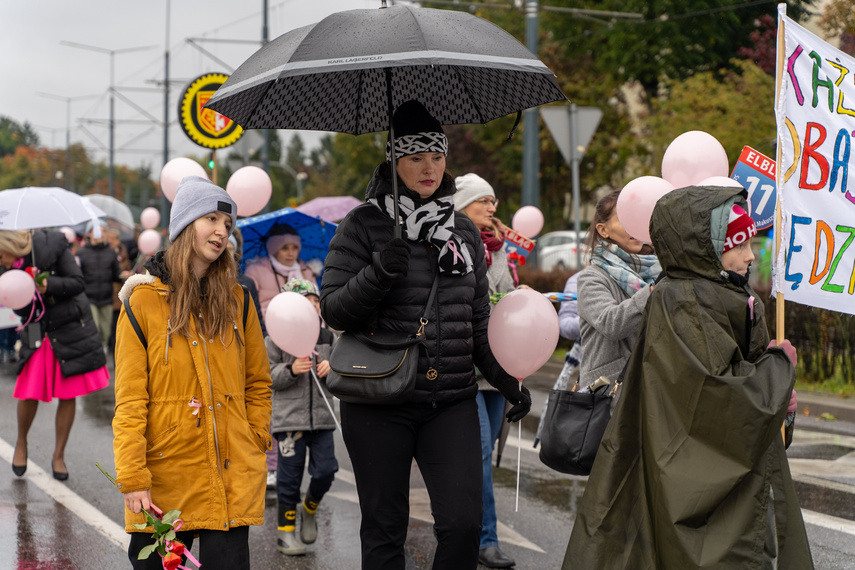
(395, 207)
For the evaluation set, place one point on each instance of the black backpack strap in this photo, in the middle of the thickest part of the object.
(126, 302)
(245, 304)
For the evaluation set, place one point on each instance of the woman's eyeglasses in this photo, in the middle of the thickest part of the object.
(487, 201)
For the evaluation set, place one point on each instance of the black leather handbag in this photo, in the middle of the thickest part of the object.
(574, 425)
(376, 367)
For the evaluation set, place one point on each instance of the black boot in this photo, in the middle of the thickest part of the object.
(492, 557)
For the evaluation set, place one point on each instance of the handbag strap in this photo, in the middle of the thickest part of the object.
(413, 339)
(619, 380)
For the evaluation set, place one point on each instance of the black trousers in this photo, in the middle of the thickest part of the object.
(218, 549)
(446, 443)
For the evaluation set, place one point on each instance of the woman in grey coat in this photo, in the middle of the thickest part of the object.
(612, 292)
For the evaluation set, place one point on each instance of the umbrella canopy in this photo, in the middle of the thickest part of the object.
(348, 71)
(33, 207)
(315, 233)
(329, 208)
(115, 211)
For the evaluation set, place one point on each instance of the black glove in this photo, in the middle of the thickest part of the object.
(393, 259)
(521, 402)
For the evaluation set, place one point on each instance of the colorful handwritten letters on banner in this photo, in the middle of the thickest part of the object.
(815, 110)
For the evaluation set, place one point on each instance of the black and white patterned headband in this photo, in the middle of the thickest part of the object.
(414, 144)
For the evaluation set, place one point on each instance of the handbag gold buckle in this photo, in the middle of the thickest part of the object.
(423, 321)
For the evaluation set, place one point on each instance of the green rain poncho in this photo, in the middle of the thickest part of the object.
(692, 471)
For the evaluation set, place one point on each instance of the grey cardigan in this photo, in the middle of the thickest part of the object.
(609, 321)
(297, 403)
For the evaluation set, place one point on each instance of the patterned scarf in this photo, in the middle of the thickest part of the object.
(630, 272)
(432, 222)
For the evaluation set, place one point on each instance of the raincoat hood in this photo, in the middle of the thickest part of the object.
(688, 228)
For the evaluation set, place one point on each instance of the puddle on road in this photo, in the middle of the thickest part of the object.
(827, 451)
(558, 492)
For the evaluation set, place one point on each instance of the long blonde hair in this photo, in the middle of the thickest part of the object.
(211, 297)
(16, 242)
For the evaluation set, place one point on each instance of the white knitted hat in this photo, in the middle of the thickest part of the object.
(471, 187)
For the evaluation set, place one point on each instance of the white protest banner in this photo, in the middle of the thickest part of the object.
(815, 110)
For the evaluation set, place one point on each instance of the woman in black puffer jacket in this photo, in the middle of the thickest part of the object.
(375, 281)
(61, 354)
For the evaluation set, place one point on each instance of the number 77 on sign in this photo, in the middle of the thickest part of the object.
(756, 172)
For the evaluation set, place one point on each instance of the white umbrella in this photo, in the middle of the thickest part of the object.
(32, 207)
(118, 215)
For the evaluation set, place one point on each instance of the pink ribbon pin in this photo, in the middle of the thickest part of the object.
(194, 403)
(452, 246)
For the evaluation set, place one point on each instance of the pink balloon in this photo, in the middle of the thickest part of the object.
(68, 233)
(149, 218)
(528, 221)
(523, 332)
(635, 204)
(250, 187)
(149, 242)
(720, 181)
(293, 323)
(176, 169)
(692, 157)
(16, 289)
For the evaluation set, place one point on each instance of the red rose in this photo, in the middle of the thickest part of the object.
(171, 561)
(522, 260)
(177, 548)
(31, 271)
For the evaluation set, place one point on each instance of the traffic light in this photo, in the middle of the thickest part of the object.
(211, 160)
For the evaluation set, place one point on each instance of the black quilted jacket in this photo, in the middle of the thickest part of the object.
(356, 297)
(100, 268)
(68, 319)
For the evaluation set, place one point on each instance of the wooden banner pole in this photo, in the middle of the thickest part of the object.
(779, 296)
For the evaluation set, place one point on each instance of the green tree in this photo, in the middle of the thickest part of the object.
(13, 135)
(673, 40)
(838, 18)
(736, 106)
(343, 164)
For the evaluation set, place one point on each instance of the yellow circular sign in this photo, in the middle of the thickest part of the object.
(206, 127)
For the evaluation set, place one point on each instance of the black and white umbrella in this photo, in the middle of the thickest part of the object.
(350, 71)
(344, 73)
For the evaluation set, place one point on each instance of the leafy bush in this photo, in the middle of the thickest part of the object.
(824, 340)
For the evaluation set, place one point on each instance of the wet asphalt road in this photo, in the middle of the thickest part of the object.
(45, 524)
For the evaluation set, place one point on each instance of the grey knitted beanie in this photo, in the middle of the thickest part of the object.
(195, 197)
(471, 187)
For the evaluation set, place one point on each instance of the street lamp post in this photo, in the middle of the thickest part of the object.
(531, 124)
(299, 178)
(69, 180)
(111, 53)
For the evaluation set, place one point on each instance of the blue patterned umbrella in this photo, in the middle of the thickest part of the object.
(315, 233)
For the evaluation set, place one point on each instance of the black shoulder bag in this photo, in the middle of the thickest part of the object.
(377, 367)
(574, 425)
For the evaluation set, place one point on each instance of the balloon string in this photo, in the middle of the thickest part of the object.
(519, 456)
(326, 400)
(519, 449)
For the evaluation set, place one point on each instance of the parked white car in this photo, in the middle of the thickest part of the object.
(558, 250)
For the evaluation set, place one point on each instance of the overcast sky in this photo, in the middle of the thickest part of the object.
(33, 61)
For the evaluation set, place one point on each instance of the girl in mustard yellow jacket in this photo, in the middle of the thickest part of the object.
(192, 389)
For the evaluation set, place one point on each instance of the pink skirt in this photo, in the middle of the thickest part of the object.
(41, 379)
